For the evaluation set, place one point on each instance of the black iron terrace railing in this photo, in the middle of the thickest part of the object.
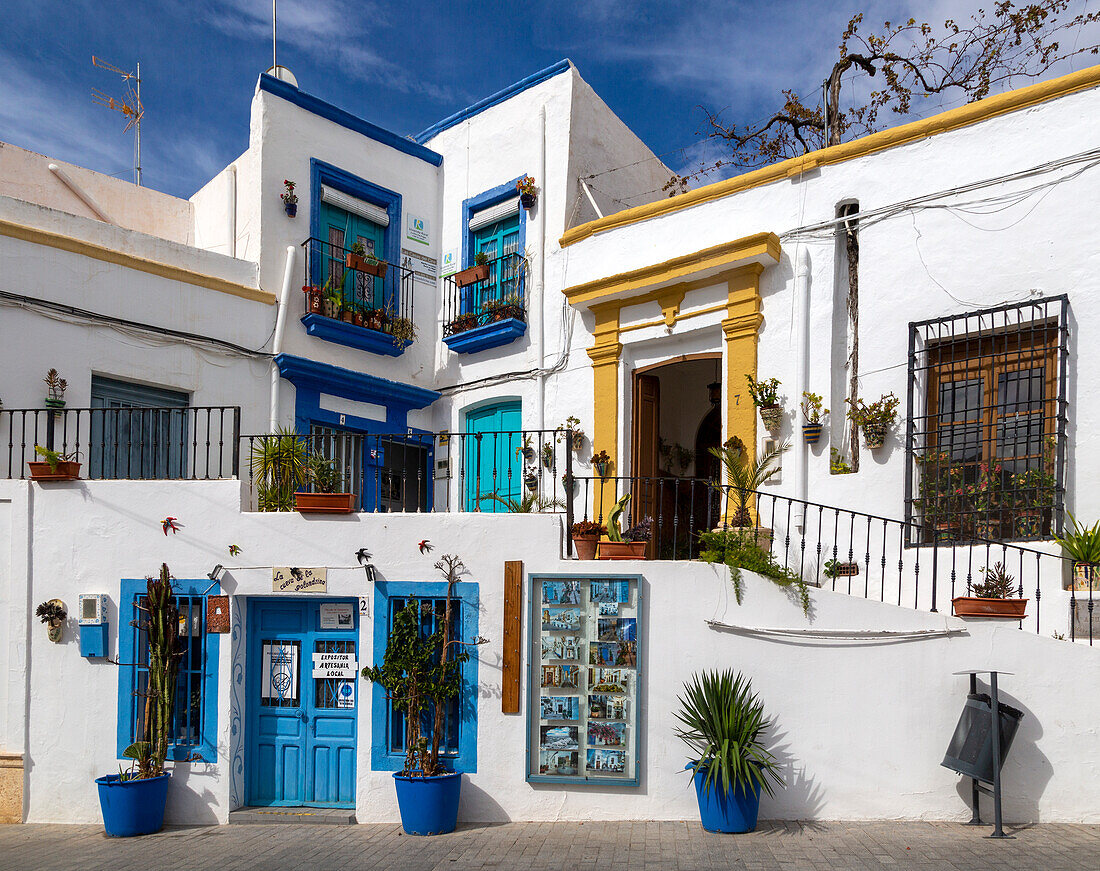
(196, 443)
(481, 295)
(359, 290)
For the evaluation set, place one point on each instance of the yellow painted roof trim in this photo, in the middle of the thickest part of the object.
(952, 119)
(750, 248)
(131, 261)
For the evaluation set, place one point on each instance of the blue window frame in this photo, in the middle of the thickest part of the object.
(459, 745)
(194, 730)
(483, 201)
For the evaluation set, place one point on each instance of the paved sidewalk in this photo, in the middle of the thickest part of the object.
(639, 846)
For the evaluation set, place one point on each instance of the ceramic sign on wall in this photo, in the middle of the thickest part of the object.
(292, 579)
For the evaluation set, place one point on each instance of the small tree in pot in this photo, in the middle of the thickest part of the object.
(133, 801)
(421, 673)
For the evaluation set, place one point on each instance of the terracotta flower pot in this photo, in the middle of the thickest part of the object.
(472, 275)
(347, 317)
(772, 417)
(324, 503)
(618, 550)
(357, 318)
(585, 546)
(973, 606)
(67, 470)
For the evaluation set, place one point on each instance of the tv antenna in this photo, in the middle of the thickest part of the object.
(281, 73)
(129, 105)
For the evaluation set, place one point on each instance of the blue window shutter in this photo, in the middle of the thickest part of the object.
(382, 759)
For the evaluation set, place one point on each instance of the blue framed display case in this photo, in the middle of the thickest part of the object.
(584, 681)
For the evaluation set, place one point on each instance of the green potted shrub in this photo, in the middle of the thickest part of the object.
(875, 419)
(724, 725)
(834, 569)
(476, 273)
(996, 595)
(133, 801)
(421, 673)
(55, 389)
(765, 396)
(586, 534)
(356, 257)
(737, 551)
(54, 465)
(744, 478)
(1082, 545)
(813, 412)
(325, 498)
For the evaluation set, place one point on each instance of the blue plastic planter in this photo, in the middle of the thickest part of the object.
(428, 805)
(733, 812)
(132, 807)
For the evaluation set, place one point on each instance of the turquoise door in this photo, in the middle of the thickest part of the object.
(341, 230)
(493, 458)
(301, 726)
(496, 241)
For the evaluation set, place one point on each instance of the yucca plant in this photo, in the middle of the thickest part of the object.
(724, 723)
(280, 465)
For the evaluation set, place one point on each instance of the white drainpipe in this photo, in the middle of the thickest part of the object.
(802, 385)
(280, 329)
(540, 329)
(231, 209)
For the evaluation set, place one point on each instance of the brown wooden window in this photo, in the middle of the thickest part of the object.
(986, 430)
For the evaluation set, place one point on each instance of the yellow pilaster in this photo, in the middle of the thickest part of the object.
(741, 327)
(605, 381)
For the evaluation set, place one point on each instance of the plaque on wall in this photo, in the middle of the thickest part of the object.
(584, 679)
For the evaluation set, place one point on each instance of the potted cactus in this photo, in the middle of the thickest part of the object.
(133, 801)
(624, 545)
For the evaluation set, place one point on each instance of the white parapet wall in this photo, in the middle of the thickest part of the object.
(861, 720)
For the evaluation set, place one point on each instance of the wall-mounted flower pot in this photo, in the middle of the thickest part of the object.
(67, 470)
(846, 570)
(601, 469)
(54, 403)
(291, 209)
(990, 530)
(472, 275)
(578, 441)
(132, 807)
(528, 200)
(616, 550)
(811, 432)
(324, 503)
(315, 303)
(874, 435)
(772, 417)
(531, 482)
(584, 546)
(973, 606)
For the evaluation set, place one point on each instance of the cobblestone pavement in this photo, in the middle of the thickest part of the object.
(638, 846)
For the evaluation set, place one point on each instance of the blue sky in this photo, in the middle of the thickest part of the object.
(400, 65)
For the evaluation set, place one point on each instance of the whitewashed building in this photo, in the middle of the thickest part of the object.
(185, 331)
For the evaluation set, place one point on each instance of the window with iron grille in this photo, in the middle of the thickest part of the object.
(985, 443)
(458, 744)
(194, 726)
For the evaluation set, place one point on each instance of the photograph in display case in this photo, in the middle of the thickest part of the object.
(584, 709)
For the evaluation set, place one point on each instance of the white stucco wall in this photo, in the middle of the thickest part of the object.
(25, 175)
(860, 726)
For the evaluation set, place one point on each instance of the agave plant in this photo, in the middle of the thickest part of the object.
(280, 465)
(724, 721)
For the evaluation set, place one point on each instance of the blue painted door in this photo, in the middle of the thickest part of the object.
(341, 230)
(301, 736)
(496, 242)
(493, 458)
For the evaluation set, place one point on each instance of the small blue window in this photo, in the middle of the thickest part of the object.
(195, 723)
(459, 742)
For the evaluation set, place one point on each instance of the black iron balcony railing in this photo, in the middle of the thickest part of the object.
(851, 551)
(359, 290)
(197, 443)
(480, 295)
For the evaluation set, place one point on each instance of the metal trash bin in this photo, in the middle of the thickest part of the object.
(971, 749)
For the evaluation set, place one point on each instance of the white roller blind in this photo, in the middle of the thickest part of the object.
(356, 206)
(492, 214)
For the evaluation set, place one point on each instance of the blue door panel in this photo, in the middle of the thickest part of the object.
(301, 731)
(493, 462)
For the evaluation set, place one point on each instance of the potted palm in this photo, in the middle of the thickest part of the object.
(996, 595)
(586, 534)
(421, 672)
(478, 272)
(744, 478)
(874, 419)
(279, 465)
(1082, 545)
(814, 412)
(133, 801)
(723, 724)
(765, 396)
(322, 473)
(54, 466)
